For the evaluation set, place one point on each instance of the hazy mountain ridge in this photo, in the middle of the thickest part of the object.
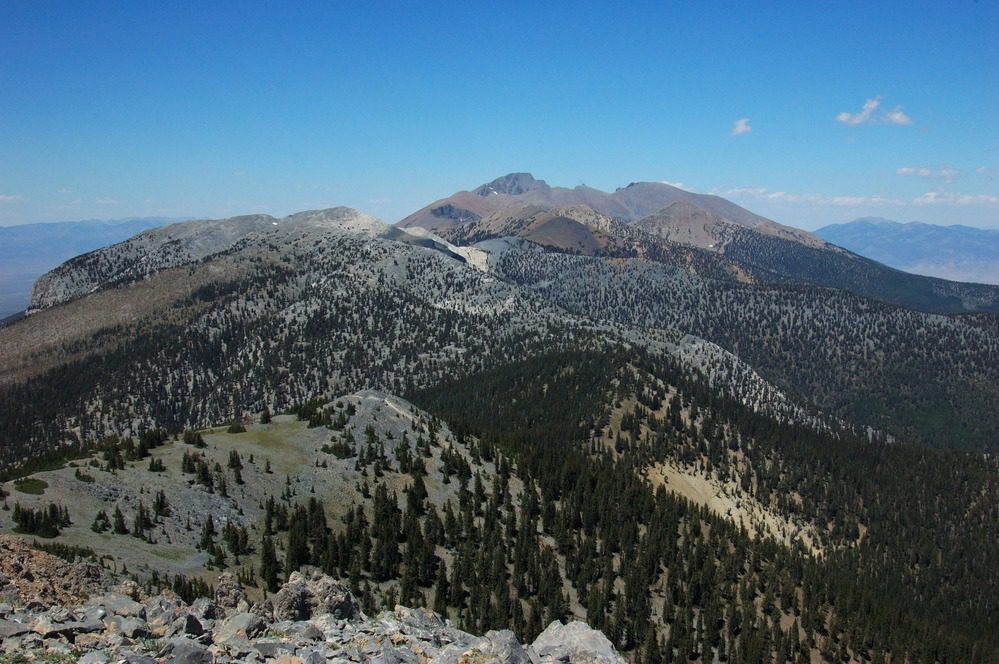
(28, 250)
(960, 253)
(174, 245)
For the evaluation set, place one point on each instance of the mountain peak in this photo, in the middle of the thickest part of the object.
(512, 184)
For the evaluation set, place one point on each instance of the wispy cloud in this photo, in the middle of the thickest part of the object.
(105, 200)
(678, 185)
(874, 200)
(951, 198)
(944, 173)
(762, 193)
(10, 198)
(740, 127)
(869, 114)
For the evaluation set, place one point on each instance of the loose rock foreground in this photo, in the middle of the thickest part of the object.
(309, 620)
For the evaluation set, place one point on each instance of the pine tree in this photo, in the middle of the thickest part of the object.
(268, 564)
(119, 522)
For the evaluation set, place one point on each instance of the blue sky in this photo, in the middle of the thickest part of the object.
(115, 109)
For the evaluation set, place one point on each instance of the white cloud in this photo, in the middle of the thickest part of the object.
(105, 200)
(740, 127)
(678, 185)
(897, 116)
(867, 114)
(8, 198)
(944, 173)
(950, 198)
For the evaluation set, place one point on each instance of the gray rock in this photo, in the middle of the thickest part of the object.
(246, 625)
(94, 657)
(292, 601)
(190, 624)
(21, 644)
(575, 642)
(56, 647)
(415, 621)
(271, 648)
(9, 628)
(121, 605)
(160, 611)
(184, 651)
(393, 655)
(314, 656)
(333, 596)
(300, 630)
(300, 599)
(205, 608)
(132, 628)
(48, 628)
(503, 646)
(331, 628)
(228, 592)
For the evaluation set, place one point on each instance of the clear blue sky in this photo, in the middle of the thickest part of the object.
(114, 109)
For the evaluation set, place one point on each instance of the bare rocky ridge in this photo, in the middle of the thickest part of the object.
(311, 619)
(637, 200)
(696, 226)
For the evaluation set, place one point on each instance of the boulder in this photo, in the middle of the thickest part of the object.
(241, 625)
(300, 599)
(575, 642)
(228, 592)
(184, 651)
(121, 605)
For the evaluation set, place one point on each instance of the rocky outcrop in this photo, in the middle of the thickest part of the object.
(311, 619)
(32, 577)
(300, 599)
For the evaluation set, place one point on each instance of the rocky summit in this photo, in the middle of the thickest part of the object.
(310, 619)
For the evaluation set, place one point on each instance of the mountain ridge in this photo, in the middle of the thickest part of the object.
(629, 203)
(954, 252)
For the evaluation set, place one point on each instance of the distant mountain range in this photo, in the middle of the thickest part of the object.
(29, 250)
(960, 253)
